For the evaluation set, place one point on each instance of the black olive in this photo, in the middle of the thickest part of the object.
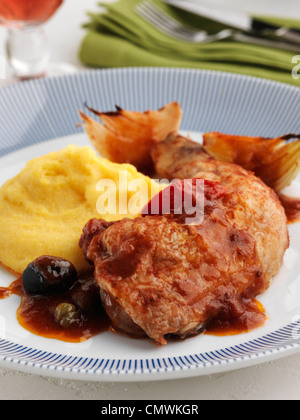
(48, 275)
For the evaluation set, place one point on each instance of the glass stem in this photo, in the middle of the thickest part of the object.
(28, 52)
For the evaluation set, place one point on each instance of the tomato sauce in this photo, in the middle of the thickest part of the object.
(37, 313)
(4, 292)
(292, 208)
(253, 317)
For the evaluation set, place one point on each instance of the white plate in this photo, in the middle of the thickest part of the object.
(41, 116)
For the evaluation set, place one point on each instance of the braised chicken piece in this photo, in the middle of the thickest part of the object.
(253, 206)
(159, 276)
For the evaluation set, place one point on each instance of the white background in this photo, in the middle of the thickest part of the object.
(274, 380)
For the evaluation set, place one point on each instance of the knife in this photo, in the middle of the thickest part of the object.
(237, 19)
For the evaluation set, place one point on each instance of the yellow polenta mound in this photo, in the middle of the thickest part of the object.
(45, 207)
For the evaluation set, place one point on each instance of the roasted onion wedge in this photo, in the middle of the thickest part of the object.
(126, 137)
(275, 161)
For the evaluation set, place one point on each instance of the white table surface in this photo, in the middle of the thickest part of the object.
(274, 380)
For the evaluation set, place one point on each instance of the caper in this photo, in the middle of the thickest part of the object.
(49, 275)
(66, 314)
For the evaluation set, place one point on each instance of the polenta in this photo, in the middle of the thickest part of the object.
(45, 207)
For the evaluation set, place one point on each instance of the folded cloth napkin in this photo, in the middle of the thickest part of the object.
(119, 37)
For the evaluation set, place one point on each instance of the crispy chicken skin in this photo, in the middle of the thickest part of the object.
(163, 277)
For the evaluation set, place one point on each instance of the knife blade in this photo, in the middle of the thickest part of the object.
(237, 19)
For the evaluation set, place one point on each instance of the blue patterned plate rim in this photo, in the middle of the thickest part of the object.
(270, 347)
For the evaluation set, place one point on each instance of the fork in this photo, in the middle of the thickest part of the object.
(165, 23)
(170, 26)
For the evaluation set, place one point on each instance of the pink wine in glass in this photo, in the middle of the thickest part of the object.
(27, 46)
(32, 11)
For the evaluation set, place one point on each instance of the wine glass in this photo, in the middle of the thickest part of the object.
(28, 52)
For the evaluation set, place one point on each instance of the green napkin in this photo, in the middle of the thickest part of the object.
(120, 38)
